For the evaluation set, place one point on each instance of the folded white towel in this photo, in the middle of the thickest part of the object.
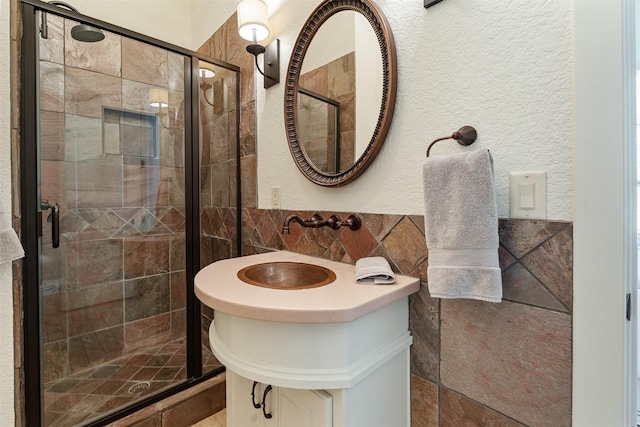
(461, 227)
(374, 270)
(10, 246)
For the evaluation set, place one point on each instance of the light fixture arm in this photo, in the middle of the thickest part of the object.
(271, 61)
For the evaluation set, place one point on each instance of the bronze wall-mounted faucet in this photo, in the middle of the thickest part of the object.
(317, 221)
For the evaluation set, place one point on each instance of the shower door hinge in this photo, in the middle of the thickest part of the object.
(629, 306)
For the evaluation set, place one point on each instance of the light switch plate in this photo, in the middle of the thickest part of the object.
(276, 197)
(528, 195)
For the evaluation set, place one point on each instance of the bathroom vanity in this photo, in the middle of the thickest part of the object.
(332, 355)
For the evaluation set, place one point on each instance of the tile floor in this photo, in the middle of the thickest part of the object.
(90, 394)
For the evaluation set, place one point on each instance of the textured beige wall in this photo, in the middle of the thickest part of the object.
(502, 67)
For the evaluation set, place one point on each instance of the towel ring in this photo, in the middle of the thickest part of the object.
(466, 135)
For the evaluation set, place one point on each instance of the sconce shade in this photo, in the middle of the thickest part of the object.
(253, 15)
(158, 97)
(206, 73)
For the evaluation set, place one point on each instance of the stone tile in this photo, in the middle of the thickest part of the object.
(146, 297)
(358, 243)
(552, 263)
(55, 360)
(510, 357)
(249, 181)
(51, 87)
(505, 258)
(230, 221)
(418, 220)
(147, 332)
(521, 236)
(336, 252)
(519, 285)
(196, 408)
(424, 323)
(220, 184)
(175, 179)
(87, 92)
(108, 223)
(94, 308)
(102, 266)
(178, 290)
(220, 139)
(456, 410)
(95, 348)
(424, 402)
(177, 253)
(83, 139)
(52, 48)
(103, 57)
(175, 70)
(91, 185)
(54, 310)
(174, 220)
(221, 249)
(115, 403)
(406, 245)
(144, 63)
(90, 403)
(52, 131)
(144, 186)
(248, 129)
(307, 246)
(146, 256)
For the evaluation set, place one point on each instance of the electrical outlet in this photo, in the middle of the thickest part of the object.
(275, 197)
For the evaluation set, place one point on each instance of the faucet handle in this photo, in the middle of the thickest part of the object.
(334, 222)
(353, 222)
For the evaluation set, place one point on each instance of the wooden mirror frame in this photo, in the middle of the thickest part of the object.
(381, 28)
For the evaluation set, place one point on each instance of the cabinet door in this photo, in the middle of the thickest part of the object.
(240, 409)
(303, 408)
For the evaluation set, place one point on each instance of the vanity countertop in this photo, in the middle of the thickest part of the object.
(217, 286)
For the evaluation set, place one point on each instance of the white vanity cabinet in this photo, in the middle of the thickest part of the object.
(336, 355)
(286, 407)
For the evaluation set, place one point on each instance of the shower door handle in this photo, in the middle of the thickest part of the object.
(54, 219)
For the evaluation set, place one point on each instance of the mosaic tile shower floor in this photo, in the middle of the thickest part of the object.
(78, 398)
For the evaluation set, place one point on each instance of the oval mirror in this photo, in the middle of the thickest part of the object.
(340, 91)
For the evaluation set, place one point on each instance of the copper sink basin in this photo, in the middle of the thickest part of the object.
(286, 275)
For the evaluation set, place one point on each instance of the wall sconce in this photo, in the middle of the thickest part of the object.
(253, 25)
(159, 98)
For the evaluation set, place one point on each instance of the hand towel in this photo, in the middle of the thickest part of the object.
(10, 246)
(374, 270)
(461, 226)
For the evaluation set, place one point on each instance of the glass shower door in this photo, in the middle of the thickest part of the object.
(112, 194)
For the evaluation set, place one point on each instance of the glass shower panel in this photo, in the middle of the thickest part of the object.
(111, 156)
(218, 178)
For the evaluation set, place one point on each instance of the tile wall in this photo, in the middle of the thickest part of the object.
(115, 166)
(473, 363)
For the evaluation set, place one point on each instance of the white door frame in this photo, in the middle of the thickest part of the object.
(604, 356)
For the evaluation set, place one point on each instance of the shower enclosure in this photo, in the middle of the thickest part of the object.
(129, 184)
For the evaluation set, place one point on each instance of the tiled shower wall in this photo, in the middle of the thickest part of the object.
(117, 283)
(218, 183)
(473, 363)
